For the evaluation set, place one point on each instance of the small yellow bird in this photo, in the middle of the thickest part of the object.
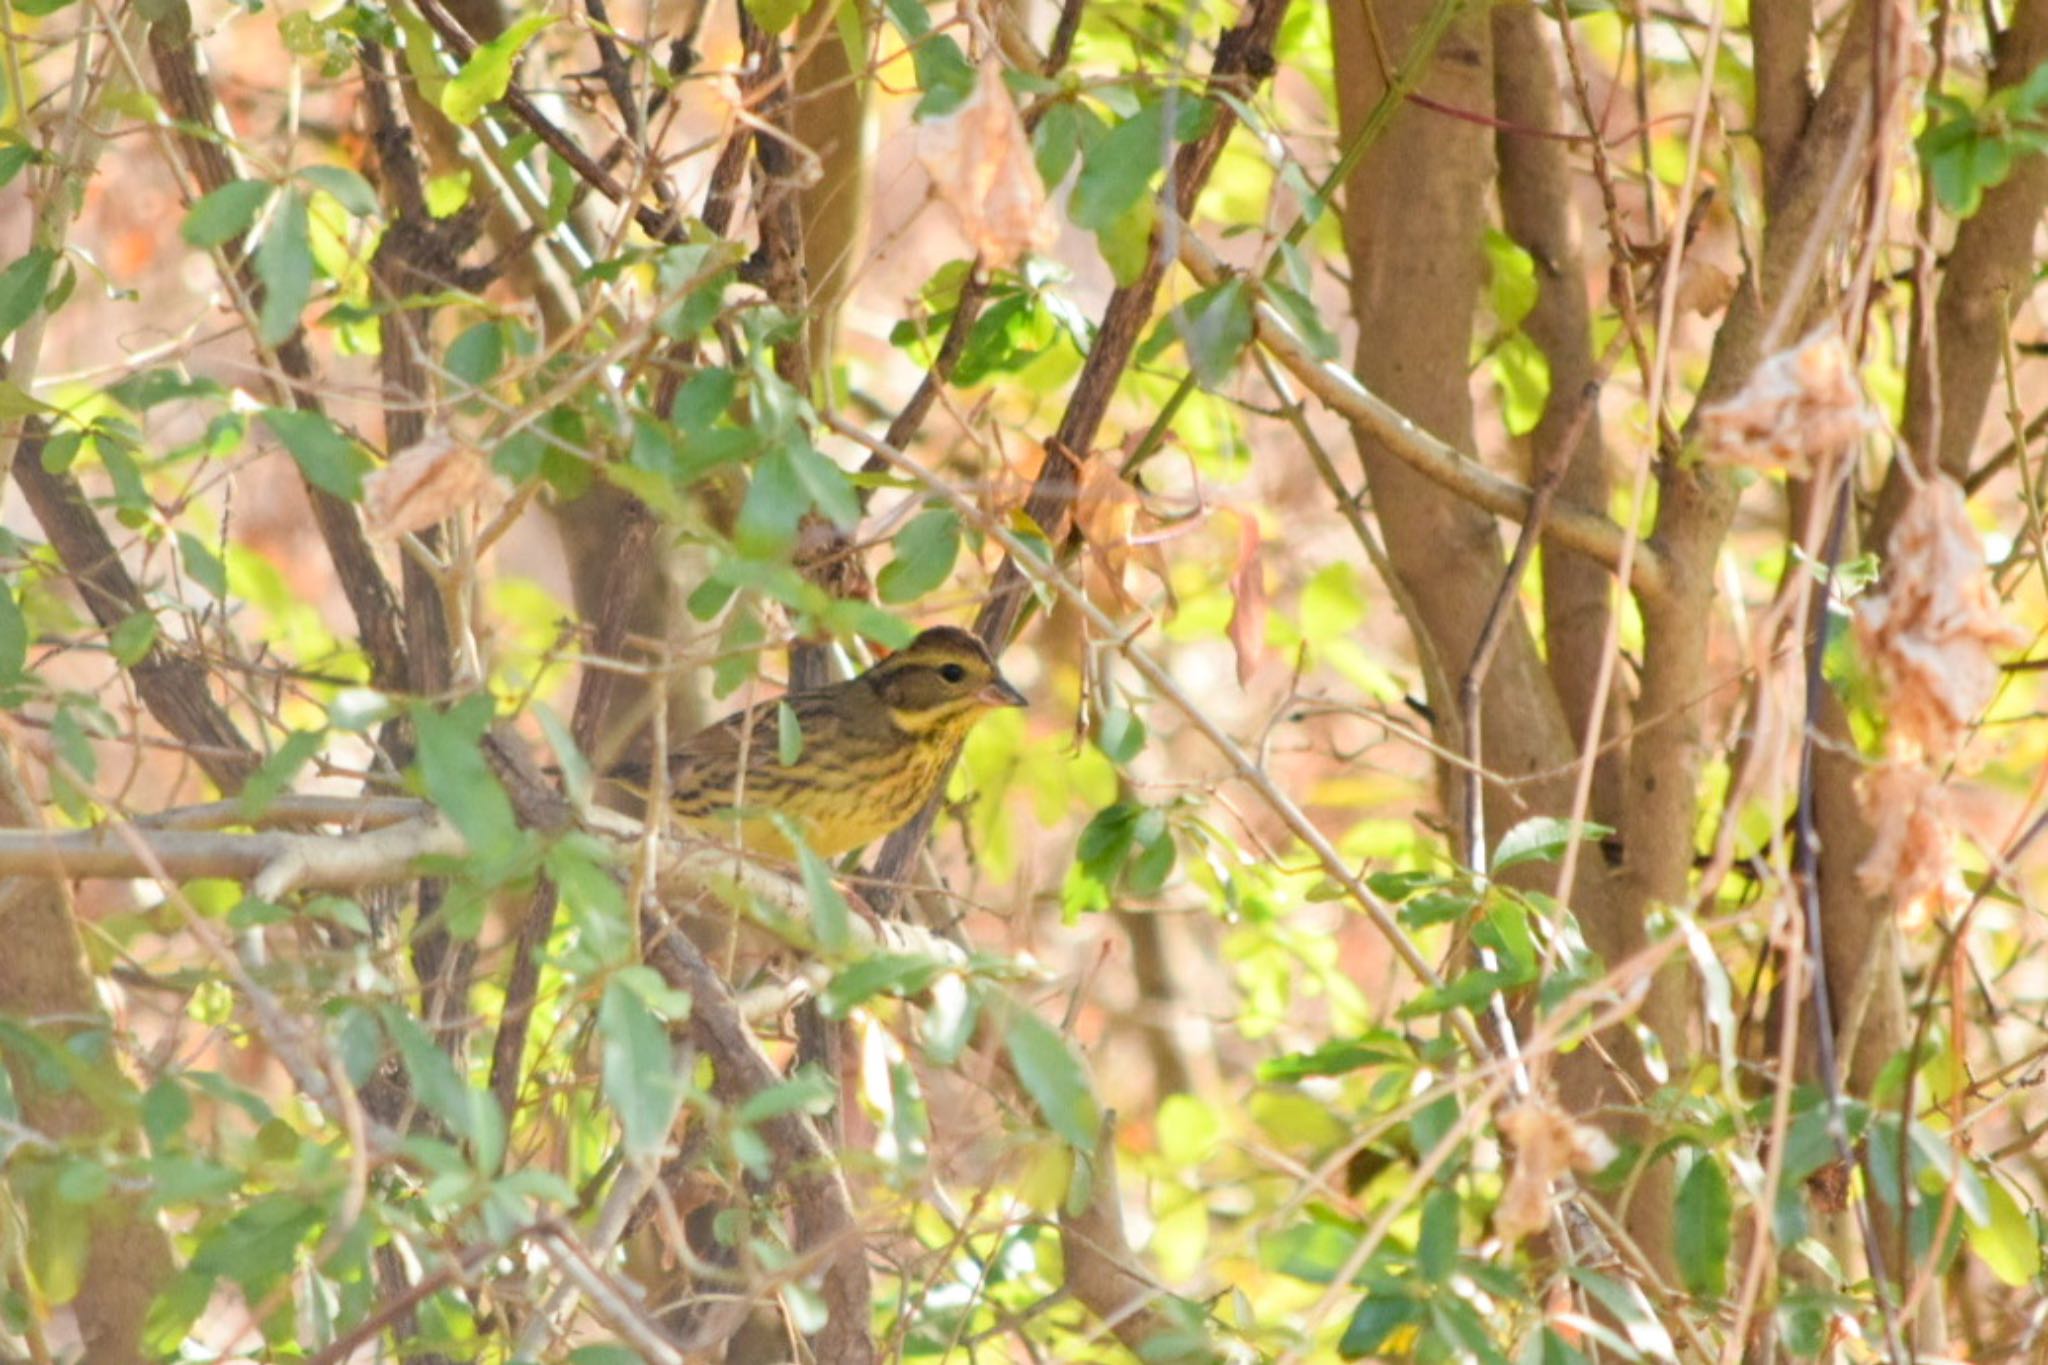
(870, 751)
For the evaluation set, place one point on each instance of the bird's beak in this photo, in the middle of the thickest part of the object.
(1000, 693)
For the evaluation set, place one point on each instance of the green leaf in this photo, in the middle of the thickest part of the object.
(280, 770)
(1512, 289)
(691, 277)
(201, 565)
(56, 1254)
(1099, 856)
(82, 1182)
(639, 1066)
(1523, 373)
(774, 504)
(329, 460)
(284, 262)
(446, 194)
(900, 974)
(1379, 1048)
(348, 189)
(704, 397)
(1056, 141)
(145, 390)
(1121, 736)
(14, 156)
(925, 550)
(595, 902)
(436, 1084)
(943, 73)
(789, 734)
(1157, 853)
(949, 1018)
(1053, 1076)
(1304, 316)
(807, 1092)
(1374, 1324)
(475, 357)
(1118, 168)
(606, 1353)
(13, 637)
(487, 74)
(1704, 1217)
(1012, 332)
(1215, 326)
(452, 770)
(1127, 242)
(225, 213)
(166, 1109)
(830, 915)
(1331, 603)
(132, 638)
(2008, 1242)
(23, 286)
(827, 485)
(1541, 838)
(1436, 1247)
(16, 403)
(1625, 1302)
(776, 15)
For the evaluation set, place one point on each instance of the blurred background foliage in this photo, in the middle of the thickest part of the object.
(395, 387)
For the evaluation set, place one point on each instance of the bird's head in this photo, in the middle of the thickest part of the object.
(943, 678)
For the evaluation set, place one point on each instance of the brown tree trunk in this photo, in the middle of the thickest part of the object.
(44, 978)
(1414, 214)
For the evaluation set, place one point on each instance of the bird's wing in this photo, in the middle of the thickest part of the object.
(709, 760)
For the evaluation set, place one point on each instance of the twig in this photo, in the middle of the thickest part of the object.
(1594, 536)
(1244, 56)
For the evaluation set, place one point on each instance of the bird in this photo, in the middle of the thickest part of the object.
(869, 752)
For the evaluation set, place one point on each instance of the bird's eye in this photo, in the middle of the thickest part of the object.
(953, 673)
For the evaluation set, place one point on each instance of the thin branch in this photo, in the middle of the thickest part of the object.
(806, 1168)
(173, 685)
(1244, 58)
(1593, 536)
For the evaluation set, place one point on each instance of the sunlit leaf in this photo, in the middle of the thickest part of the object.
(487, 74)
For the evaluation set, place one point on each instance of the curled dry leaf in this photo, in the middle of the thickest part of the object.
(1107, 508)
(1009, 487)
(1548, 1144)
(1802, 407)
(1704, 287)
(979, 158)
(1932, 626)
(1248, 601)
(1910, 813)
(427, 483)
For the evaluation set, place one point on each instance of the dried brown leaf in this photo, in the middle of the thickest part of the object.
(1704, 287)
(1910, 814)
(427, 483)
(1802, 407)
(1548, 1144)
(1932, 626)
(1107, 508)
(979, 158)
